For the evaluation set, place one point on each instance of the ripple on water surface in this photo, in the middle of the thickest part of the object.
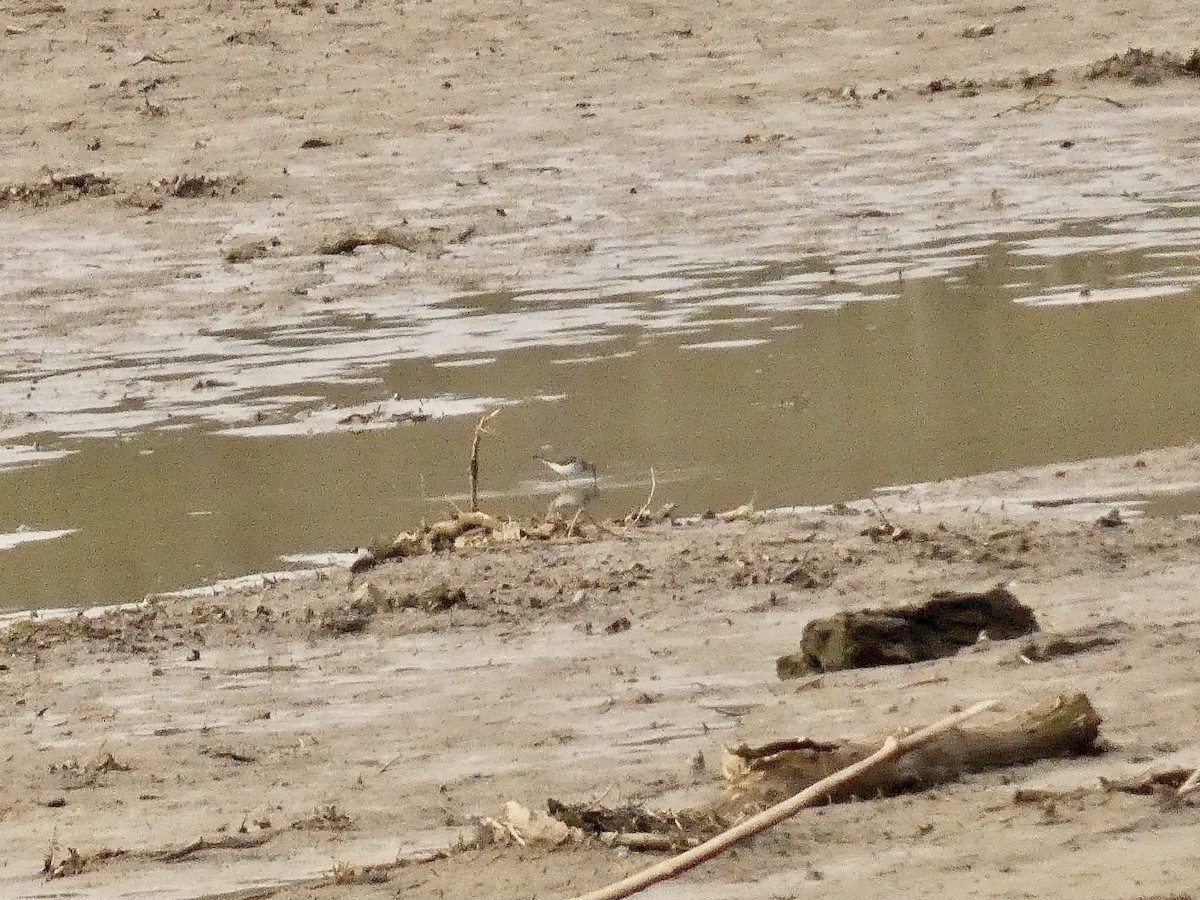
(786, 381)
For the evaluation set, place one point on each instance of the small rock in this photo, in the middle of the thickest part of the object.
(979, 31)
(617, 626)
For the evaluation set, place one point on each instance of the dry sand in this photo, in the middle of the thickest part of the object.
(520, 142)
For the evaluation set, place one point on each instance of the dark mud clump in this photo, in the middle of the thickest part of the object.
(884, 637)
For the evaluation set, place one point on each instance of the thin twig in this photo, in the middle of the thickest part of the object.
(892, 748)
(157, 58)
(387, 765)
(637, 517)
(1042, 101)
(480, 431)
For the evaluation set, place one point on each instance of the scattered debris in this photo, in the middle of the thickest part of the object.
(77, 775)
(464, 530)
(519, 825)
(378, 416)
(893, 748)
(772, 783)
(1159, 782)
(344, 873)
(75, 863)
(58, 189)
(190, 187)
(638, 828)
(227, 753)
(966, 88)
(368, 600)
(886, 531)
(880, 637)
(327, 818)
(1145, 67)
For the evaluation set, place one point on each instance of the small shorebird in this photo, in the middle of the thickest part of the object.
(571, 468)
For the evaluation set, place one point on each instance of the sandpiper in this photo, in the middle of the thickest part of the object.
(571, 468)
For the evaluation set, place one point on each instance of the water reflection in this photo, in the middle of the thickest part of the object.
(782, 382)
(573, 500)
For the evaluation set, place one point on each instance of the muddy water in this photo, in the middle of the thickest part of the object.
(784, 382)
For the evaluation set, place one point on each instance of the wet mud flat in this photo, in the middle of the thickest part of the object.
(219, 263)
(248, 742)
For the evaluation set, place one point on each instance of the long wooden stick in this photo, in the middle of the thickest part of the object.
(892, 748)
(480, 431)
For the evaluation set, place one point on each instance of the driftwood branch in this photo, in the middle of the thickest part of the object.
(893, 748)
(1056, 727)
(480, 431)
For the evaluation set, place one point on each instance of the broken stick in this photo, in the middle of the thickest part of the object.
(641, 514)
(893, 748)
(1190, 785)
(480, 431)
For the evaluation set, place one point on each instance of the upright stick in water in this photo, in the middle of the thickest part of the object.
(480, 431)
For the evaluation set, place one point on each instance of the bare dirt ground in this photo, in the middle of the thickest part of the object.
(253, 717)
(171, 167)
